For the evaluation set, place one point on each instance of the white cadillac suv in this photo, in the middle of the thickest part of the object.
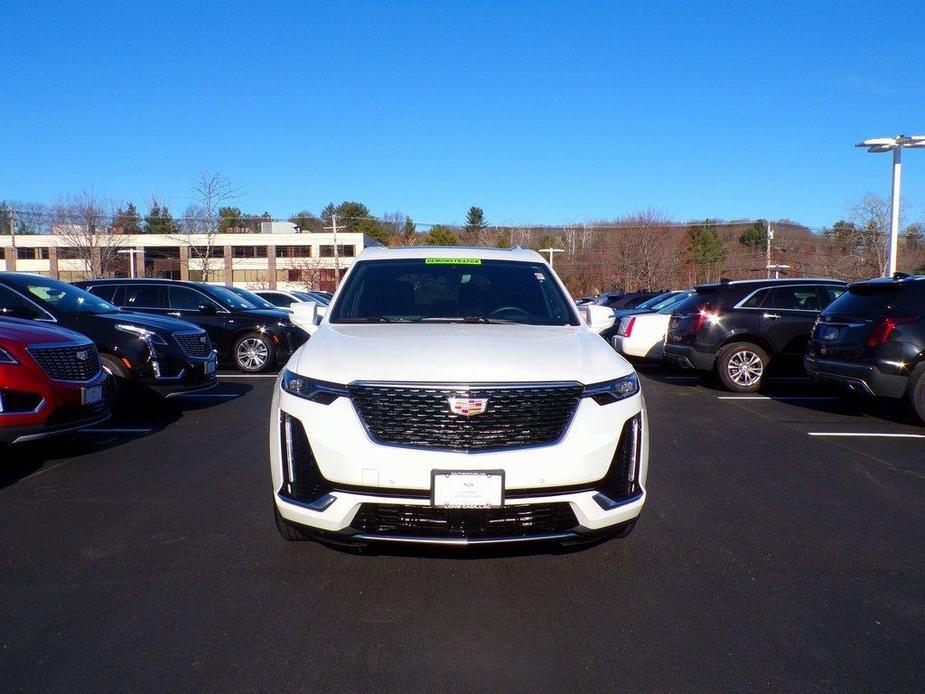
(455, 396)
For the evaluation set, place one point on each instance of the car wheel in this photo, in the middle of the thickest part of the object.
(916, 392)
(287, 530)
(741, 367)
(253, 353)
(117, 379)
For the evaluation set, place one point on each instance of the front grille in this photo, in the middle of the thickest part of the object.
(301, 477)
(194, 344)
(69, 362)
(428, 521)
(420, 416)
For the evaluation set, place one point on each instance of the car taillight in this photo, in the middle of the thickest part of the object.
(626, 327)
(701, 317)
(884, 328)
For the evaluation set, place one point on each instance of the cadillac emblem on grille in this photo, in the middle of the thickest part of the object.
(468, 407)
(81, 356)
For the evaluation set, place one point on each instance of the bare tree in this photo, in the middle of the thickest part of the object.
(84, 223)
(200, 223)
(871, 218)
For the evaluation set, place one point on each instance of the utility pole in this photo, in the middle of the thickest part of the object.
(551, 251)
(333, 228)
(770, 235)
(131, 260)
(12, 229)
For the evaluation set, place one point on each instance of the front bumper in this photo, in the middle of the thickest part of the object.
(174, 376)
(373, 493)
(859, 377)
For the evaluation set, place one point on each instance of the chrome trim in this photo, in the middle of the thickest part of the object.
(20, 413)
(424, 385)
(56, 345)
(779, 286)
(55, 432)
(462, 542)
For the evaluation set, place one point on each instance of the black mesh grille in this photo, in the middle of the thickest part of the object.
(421, 416)
(301, 477)
(428, 521)
(68, 363)
(194, 344)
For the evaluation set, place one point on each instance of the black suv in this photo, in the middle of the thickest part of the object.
(251, 339)
(168, 356)
(872, 340)
(738, 328)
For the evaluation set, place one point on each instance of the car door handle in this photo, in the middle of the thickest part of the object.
(771, 316)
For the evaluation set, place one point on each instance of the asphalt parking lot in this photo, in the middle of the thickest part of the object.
(781, 548)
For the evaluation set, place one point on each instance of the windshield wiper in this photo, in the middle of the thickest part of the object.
(465, 319)
(371, 319)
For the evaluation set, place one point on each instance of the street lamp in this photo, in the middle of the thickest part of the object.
(551, 251)
(131, 260)
(894, 144)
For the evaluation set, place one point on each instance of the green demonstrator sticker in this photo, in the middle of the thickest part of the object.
(452, 261)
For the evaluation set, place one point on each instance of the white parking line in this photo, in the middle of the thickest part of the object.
(115, 431)
(682, 378)
(247, 375)
(777, 397)
(209, 395)
(866, 435)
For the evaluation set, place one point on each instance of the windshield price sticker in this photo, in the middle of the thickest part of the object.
(452, 261)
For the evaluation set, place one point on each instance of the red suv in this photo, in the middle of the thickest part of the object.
(50, 381)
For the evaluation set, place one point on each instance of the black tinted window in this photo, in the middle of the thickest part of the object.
(105, 292)
(12, 304)
(867, 298)
(144, 296)
(453, 289)
(185, 299)
(830, 293)
(756, 299)
(802, 298)
(277, 299)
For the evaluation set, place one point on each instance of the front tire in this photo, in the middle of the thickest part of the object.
(253, 353)
(117, 381)
(741, 367)
(915, 392)
(287, 530)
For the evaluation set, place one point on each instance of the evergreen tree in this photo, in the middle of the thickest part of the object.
(442, 236)
(128, 221)
(705, 246)
(159, 221)
(755, 235)
(475, 219)
(409, 230)
(230, 219)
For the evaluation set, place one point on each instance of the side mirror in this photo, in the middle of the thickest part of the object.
(207, 310)
(598, 318)
(306, 317)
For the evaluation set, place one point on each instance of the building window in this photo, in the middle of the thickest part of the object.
(293, 251)
(213, 276)
(251, 276)
(32, 253)
(207, 252)
(73, 276)
(249, 251)
(71, 253)
(327, 251)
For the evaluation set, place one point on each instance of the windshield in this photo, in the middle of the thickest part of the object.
(64, 297)
(452, 290)
(228, 299)
(867, 298)
(250, 297)
(669, 303)
(658, 298)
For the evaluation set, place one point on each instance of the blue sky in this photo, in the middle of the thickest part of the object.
(539, 112)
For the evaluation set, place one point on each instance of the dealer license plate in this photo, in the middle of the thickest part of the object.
(452, 489)
(92, 395)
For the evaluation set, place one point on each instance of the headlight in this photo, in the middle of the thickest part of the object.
(317, 391)
(6, 357)
(143, 333)
(612, 391)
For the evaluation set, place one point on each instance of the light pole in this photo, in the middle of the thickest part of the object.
(131, 260)
(551, 251)
(894, 144)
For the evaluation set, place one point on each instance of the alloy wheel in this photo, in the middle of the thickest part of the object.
(252, 354)
(745, 368)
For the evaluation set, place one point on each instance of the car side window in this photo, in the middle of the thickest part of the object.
(802, 298)
(830, 293)
(756, 299)
(144, 296)
(185, 299)
(277, 299)
(104, 291)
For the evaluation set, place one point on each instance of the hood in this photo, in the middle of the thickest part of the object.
(458, 353)
(29, 332)
(151, 322)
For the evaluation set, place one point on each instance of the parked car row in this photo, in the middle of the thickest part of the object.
(868, 337)
(68, 352)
